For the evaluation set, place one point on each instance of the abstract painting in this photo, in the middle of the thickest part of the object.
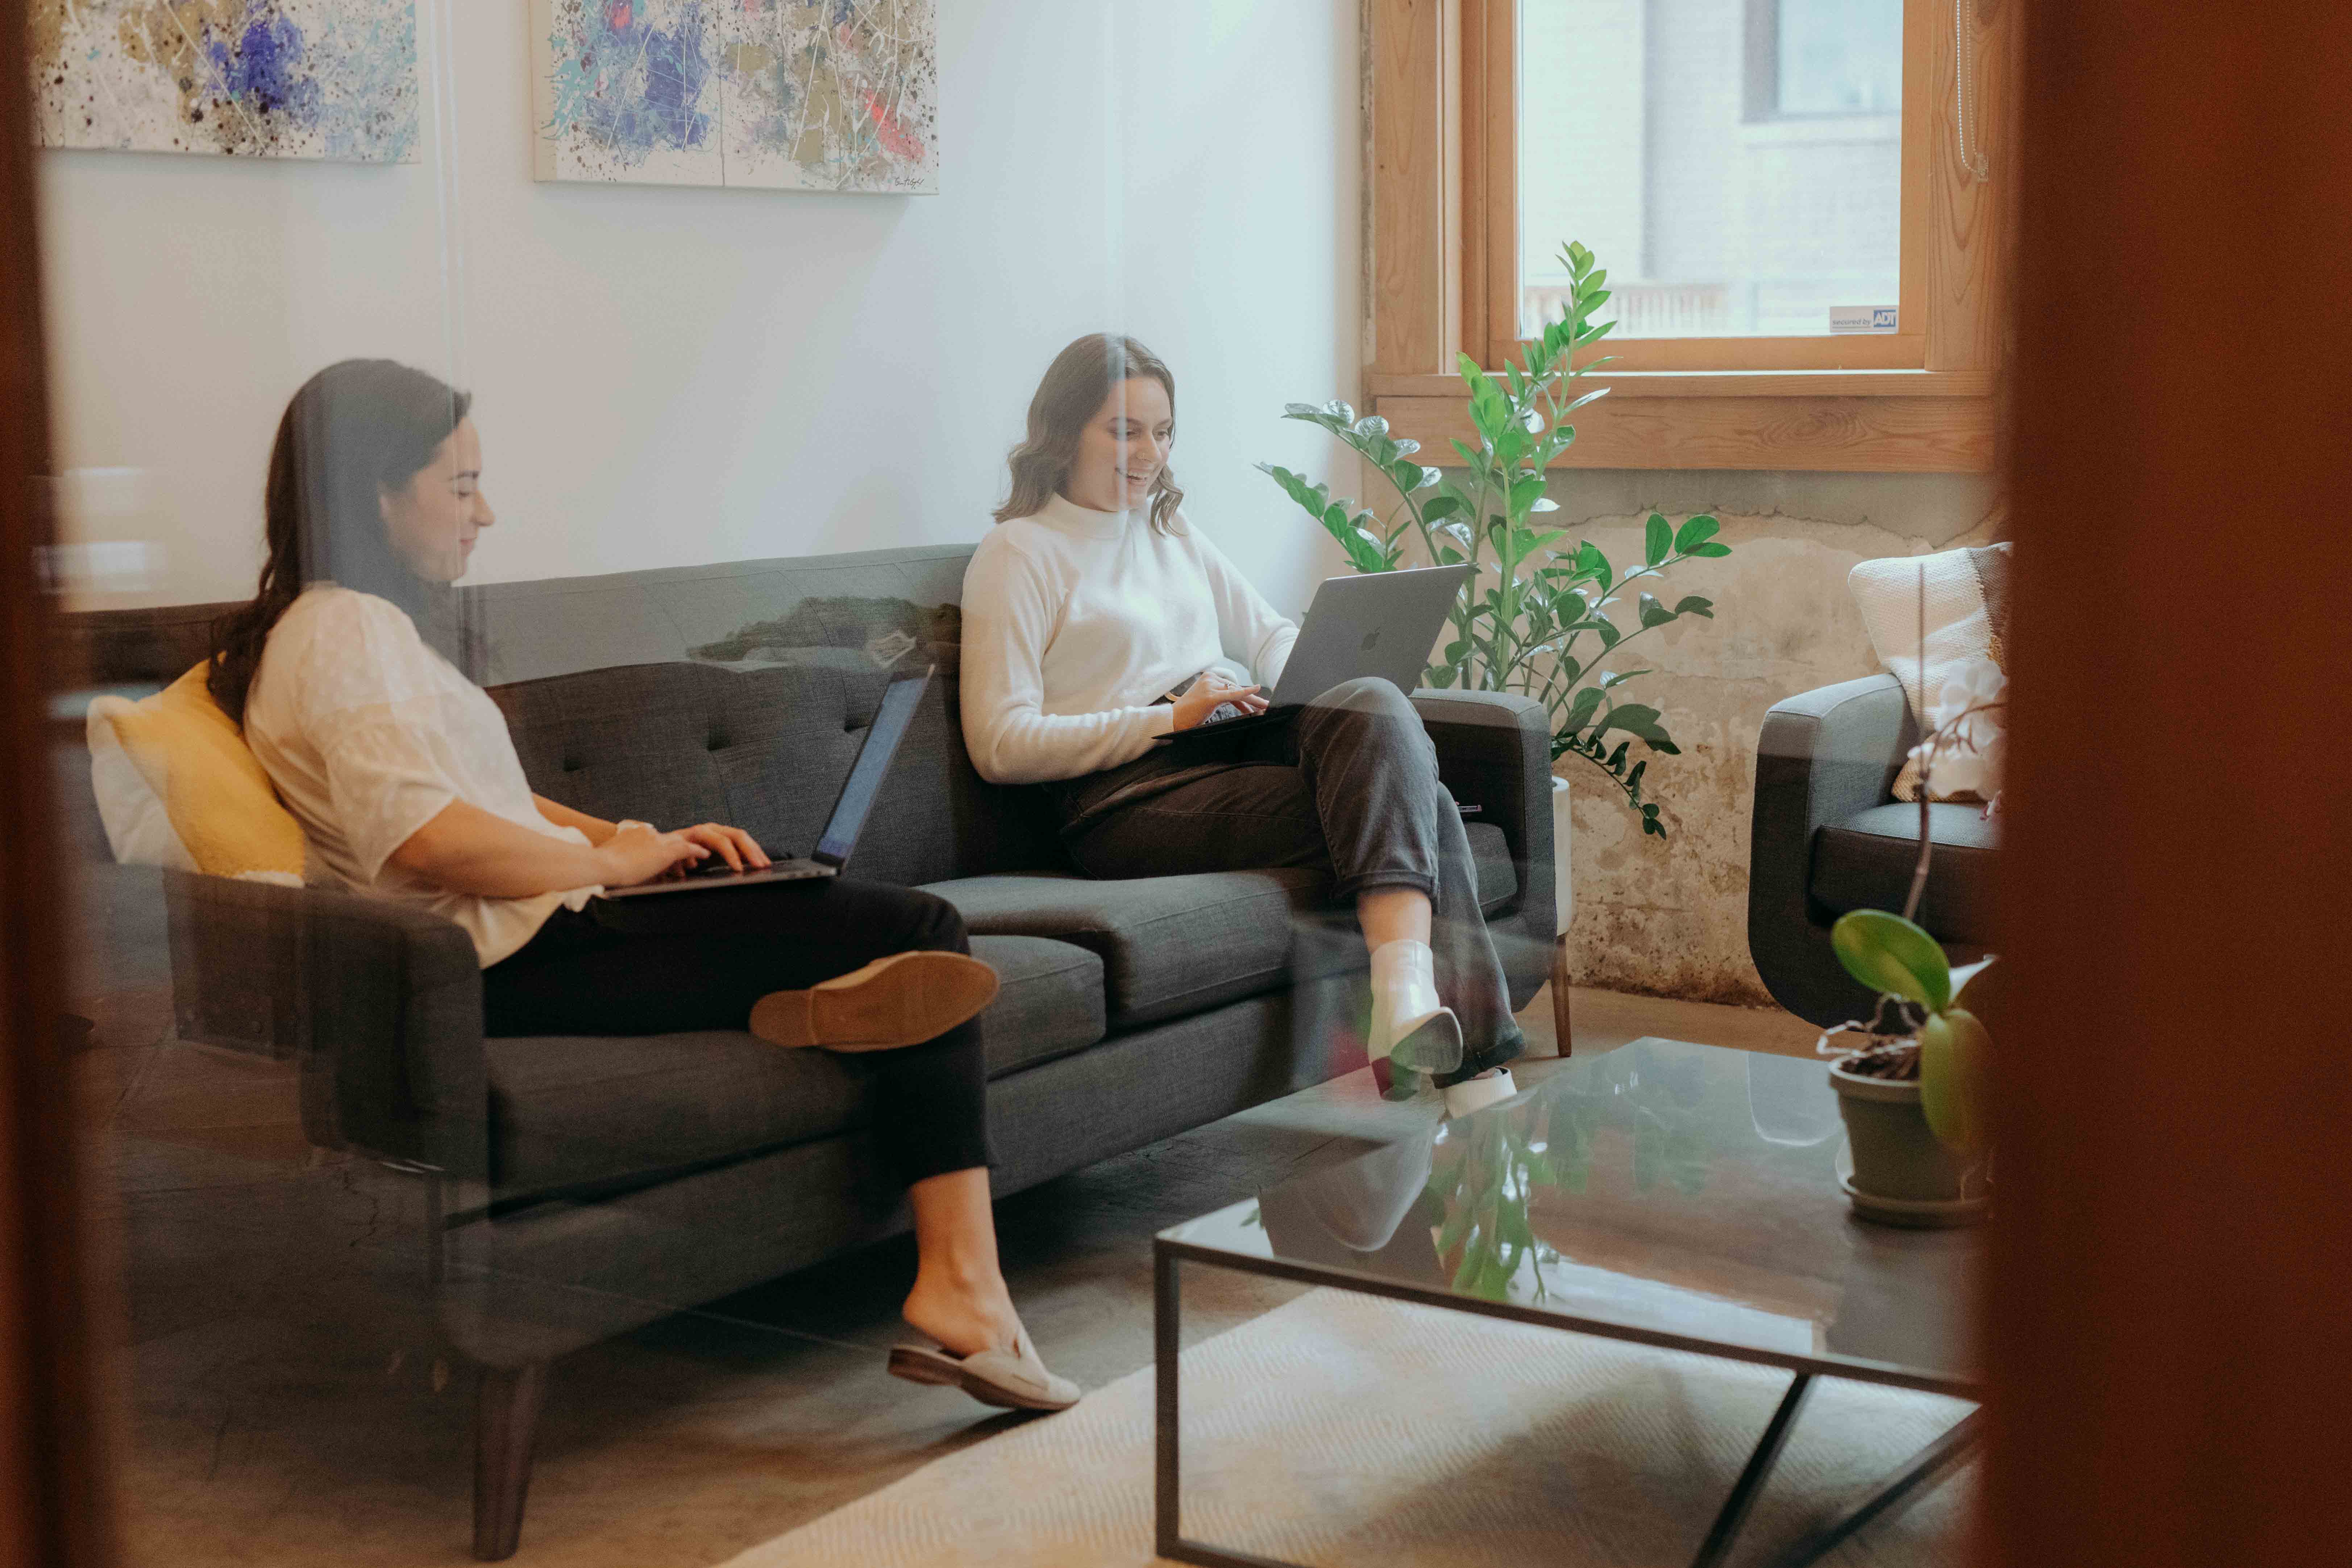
(253, 78)
(819, 95)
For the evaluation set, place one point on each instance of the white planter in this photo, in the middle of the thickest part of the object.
(1563, 890)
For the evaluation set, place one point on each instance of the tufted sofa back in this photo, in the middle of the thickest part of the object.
(741, 692)
(767, 750)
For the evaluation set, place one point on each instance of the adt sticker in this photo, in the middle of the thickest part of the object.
(1863, 318)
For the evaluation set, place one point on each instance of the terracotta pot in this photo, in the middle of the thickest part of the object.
(1902, 1174)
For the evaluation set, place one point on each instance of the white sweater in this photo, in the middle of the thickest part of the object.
(1074, 622)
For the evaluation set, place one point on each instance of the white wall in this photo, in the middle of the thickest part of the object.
(673, 376)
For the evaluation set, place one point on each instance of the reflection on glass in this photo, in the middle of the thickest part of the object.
(1736, 165)
(1786, 1104)
(1638, 1187)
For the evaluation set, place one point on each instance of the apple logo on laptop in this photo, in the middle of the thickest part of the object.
(1371, 639)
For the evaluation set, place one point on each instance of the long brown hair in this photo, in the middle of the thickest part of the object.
(354, 431)
(1076, 383)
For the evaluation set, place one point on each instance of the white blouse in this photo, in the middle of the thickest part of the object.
(369, 734)
(1074, 622)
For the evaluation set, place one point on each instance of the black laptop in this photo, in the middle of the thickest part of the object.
(858, 792)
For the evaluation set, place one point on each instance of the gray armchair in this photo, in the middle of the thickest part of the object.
(1829, 836)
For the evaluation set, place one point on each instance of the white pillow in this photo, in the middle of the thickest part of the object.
(1966, 595)
(138, 829)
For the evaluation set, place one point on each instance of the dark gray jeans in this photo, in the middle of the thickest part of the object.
(1348, 786)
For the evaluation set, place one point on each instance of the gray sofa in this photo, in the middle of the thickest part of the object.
(575, 1188)
(1829, 836)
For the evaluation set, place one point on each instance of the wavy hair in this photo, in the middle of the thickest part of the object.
(1076, 384)
(354, 432)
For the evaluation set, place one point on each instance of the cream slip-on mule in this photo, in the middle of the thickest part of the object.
(1009, 1379)
(902, 1000)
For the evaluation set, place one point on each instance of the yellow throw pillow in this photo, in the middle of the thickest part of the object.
(212, 788)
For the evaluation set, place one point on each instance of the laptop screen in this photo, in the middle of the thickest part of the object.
(898, 702)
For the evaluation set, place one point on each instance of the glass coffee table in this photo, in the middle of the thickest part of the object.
(1666, 1193)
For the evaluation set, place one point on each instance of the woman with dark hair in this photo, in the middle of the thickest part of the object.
(1097, 620)
(346, 673)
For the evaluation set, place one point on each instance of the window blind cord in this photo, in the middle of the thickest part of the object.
(1970, 104)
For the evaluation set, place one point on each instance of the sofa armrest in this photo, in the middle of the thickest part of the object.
(380, 1005)
(1823, 756)
(1493, 753)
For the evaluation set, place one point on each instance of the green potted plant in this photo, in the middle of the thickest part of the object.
(1913, 1100)
(1537, 619)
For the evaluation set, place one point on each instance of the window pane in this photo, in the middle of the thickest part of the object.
(1840, 56)
(1736, 165)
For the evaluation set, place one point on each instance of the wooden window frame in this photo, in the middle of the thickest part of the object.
(1444, 90)
(56, 1507)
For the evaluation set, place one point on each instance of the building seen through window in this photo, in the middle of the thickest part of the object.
(1736, 165)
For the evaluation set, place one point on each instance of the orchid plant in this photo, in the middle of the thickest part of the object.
(1920, 995)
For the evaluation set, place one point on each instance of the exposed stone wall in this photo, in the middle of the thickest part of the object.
(1670, 918)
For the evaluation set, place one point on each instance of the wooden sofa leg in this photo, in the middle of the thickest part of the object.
(1559, 1009)
(505, 1424)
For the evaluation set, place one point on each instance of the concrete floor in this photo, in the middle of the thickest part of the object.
(278, 1403)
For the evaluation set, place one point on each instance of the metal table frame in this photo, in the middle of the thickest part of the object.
(1929, 1465)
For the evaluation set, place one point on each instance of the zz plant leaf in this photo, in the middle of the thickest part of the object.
(1520, 624)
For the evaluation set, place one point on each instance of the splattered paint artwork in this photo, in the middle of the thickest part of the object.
(258, 78)
(824, 95)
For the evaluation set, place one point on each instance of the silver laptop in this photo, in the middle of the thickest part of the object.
(858, 792)
(1380, 624)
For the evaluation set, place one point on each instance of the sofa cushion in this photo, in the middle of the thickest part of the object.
(1169, 946)
(1173, 946)
(1865, 862)
(569, 1112)
(1052, 1003)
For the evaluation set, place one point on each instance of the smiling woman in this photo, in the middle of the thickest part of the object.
(349, 675)
(435, 517)
(1099, 623)
(1103, 421)
(397, 473)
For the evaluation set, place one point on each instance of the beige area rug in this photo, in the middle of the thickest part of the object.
(1341, 1429)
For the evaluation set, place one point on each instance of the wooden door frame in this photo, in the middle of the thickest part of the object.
(55, 1508)
(2165, 1310)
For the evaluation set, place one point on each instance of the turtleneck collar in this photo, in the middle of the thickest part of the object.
(1068, 516)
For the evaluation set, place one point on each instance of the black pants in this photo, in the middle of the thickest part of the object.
(698, 961)
(1350, 786)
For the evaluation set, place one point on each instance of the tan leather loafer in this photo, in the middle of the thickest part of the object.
(1009, 1379)
(902, 1000)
